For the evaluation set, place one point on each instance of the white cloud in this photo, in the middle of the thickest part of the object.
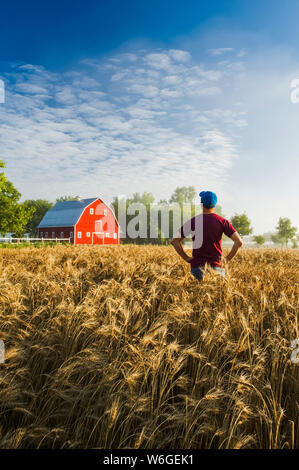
(180, 56)
(31, 88)
(172, 79)
(220, 50)
(242, 53)
(118, 76)
(158, 61)
(132, 122)
(148, 91)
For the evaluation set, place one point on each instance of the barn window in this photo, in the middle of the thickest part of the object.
(107, 234)
(42, 234)
(46, 234)
(91, 211)
(105, 211)
(79, 234)
(61, 234)
(88, 234)
(115, 236)
(53, 234)
(71, 234)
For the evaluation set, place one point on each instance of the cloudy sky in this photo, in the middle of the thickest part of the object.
(109, 100)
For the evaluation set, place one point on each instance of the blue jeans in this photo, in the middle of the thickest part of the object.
(199, 272)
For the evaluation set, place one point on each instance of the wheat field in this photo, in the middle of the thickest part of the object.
(119, 347)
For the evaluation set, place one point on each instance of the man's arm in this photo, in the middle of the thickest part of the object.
(238, 242)
(177, 244)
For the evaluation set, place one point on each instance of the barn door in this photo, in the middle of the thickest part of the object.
(98, 235)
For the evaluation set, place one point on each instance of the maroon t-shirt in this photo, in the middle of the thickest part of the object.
(207, 230)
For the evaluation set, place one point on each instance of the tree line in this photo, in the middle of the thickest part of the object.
(20, 218)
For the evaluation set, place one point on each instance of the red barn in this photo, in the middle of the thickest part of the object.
(84, 221)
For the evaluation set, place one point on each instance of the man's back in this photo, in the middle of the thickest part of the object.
(206, 230)
(209, 228)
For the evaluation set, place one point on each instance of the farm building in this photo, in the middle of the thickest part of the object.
(84, 221)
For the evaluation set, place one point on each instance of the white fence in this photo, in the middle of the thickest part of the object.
(18, 240)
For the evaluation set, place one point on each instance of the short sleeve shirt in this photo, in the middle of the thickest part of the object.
(206, 231)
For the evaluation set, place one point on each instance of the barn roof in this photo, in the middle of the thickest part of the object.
(66, 213)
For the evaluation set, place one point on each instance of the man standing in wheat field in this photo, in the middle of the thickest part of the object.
(206, 230)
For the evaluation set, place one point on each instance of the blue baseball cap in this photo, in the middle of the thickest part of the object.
(208, 199)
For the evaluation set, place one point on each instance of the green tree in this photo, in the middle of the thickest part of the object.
(67, 198)
(183, 194)
(163, 202)
(276, 239)
(2, 176)
(145, 198)
(295, 242)
(242, 224)
(285, 230)
(41, 207)
(259, 239)
(13, 215)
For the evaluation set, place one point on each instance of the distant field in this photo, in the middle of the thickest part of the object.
(115, 347)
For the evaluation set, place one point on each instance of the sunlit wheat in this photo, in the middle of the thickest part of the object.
(119, 347)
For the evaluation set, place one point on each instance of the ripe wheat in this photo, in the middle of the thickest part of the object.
(119, 347)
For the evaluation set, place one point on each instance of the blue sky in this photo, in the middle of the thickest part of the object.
(107, 98)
